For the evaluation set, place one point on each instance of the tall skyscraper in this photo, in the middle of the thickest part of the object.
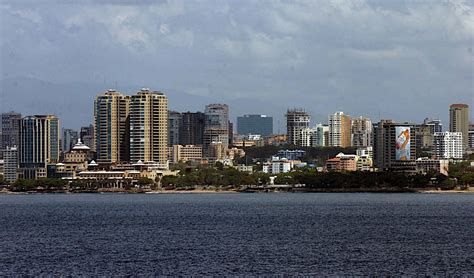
(69, 139)
(394, 146)
(87, 137)
(459, 121)
(111, 111)
(10, 130)
(175, 120)
(255, 124)
(216, 126)
(39, 145)
(339, 130)
(361, 132)
(296, 120)
(192, 128)
(149, 127)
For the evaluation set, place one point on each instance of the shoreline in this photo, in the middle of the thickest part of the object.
(247, 191)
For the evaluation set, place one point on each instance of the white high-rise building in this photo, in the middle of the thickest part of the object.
(10, 167)
(307, 136)
(314, 136)
(448, 145)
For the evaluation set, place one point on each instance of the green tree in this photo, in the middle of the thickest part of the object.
(144, 181)
(169, 181)
(467, 179)
(447, 184)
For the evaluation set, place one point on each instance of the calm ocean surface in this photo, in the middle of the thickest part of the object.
(237, 234)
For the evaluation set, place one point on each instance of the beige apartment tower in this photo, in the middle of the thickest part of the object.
(459, 121)
(339, 130)
(111, 112)
(149, 127)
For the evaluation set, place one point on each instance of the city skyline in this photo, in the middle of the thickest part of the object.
(132, 133)
(271, 56)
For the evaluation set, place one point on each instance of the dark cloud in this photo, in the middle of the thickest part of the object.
(390, 59)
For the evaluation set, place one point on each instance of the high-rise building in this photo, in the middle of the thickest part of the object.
(307, 136)
(296, 120)
(339, 130)
(424, 133)
(361, 132)
(175, 120)
(10, 130)
(192, 128)
(423, 137)
(255, 124)
(394, 147)
(149, 127)
(448, 145)
(10, 166)
(87, 137)
(314, 136)
(69, 139)
(434, 125)
(231, 133)
(39, 145)
(111, 111)
(470, 140)
(459, 121)
(180, 153)
(321, 136)
(216, 127)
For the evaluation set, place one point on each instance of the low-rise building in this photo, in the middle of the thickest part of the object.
(425, 164)
(364, 163)
(180, 153)
(75, 161)
(235, 153)
(249, 140)
(278, 165)
(291, 154)
(276, 140)
(244, 168)
(350, 162)
(342, 163)
(217, 151)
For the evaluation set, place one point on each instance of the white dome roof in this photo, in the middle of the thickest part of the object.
(80, 146)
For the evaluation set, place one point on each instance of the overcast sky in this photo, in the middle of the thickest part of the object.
(389, 59)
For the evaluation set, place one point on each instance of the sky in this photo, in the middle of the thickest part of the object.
(404, 60)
